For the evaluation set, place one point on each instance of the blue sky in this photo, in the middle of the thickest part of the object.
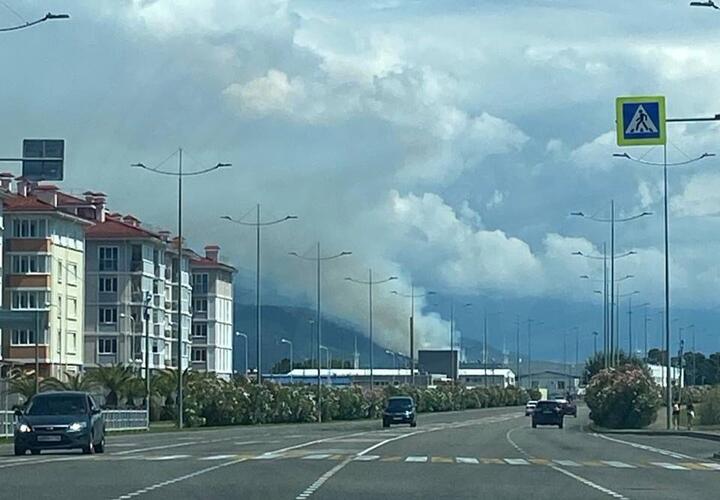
(441, 141)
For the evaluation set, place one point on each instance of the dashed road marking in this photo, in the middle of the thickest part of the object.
(217, 457)
(710, 465)
(317, 456)
(517, 461)
(567, 463)
(618, 465)
(368, 458)
(467, 460)
(167, 457)
(416, 459)
(667, 465)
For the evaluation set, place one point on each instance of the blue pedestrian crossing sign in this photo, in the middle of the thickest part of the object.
(640, 120)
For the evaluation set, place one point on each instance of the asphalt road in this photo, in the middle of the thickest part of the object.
(492, 454)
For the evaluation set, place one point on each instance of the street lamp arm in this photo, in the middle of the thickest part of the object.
(178, 174)
(603, 219)
(600, 257)
(315, 259)
(659, 164)
(47, 17)
(708, 3)
(262, 224)
(371, 283)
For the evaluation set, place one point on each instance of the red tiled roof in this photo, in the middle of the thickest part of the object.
(17, 203)
(114, 228)
(200, 261)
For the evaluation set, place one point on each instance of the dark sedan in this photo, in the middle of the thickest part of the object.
(60, 420)
(400, 410)
(548, 412)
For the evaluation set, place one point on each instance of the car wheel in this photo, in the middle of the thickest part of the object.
(90, 448)
(386, 424)
(560, 425)
(413, 424)
(100, 447)
(35, 452)
(19, 451)
(534, 425)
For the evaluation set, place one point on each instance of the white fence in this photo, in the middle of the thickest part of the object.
(115, 420)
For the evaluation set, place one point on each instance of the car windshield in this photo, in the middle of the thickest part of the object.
(547, 405)
(57, 405)
(399, 404)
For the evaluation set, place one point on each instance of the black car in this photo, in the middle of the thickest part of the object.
(548, 412)
(60, 420)
(571, 408)
(400, 410)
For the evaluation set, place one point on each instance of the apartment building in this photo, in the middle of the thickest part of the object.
(43, 271)
(171, 302)
(212, 313)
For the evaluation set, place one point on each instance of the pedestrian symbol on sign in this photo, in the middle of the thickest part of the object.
(641, 121)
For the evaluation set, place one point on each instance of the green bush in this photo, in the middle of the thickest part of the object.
(624, 397)
(710, 409)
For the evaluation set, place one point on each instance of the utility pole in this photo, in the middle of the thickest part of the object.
(517, 346)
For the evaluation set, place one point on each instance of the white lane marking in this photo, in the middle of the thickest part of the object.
(710, 465)
(367, 458)
(618, 465)
(668, 465)
(217, 457)
(325, 477)
(466, 460)
(652, 449)
(317, 456)
(123, 445)
(416, 459)
(241, 443)
(589, 483)
(567, 463)
(567, 473)
(44, 461)
(516, 461)
(178, 479)
(153, 448)
(166, 457)
(219, 466)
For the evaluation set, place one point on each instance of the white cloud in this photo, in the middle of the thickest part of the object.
(268, 94)
(496, 200)
(596, 154)
(700, 196)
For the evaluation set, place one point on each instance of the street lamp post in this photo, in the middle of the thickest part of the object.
(595, 336)
(244, 336)
(289, 343)
(530, 321)
(395, 363)
(318, 259)
(180, 174)
(257, 225)
(666, 226)
(412, 298)
(131, 320)
(327, 361)
(370, 283)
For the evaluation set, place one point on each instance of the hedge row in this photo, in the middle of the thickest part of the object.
(212, 401)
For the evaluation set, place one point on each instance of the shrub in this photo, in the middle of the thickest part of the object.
(624, 397)
(710, 410)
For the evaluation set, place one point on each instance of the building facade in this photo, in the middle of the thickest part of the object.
(44, 273)
(212, 313)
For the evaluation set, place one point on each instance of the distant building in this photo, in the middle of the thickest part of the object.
(476, 377)
(658, 374)
(212, 313)
(556, 383)
(350, 376)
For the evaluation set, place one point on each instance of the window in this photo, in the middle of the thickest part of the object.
(72, 342)
(29, 300)
(59, 307)
(23, 337)
(29, 228)
(108, 257)
(200, 305)
(199, 354)
(200, 330)
(22, 264)
(107, 346)
(561, 384)
(72, 274)
(200, 283)
(72, 307)
(108, 284)
(59, 271)
(108, 315)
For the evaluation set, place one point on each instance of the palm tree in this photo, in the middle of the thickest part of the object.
(74, 382)
(114, 379)
(134, 388)
(21, 383)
